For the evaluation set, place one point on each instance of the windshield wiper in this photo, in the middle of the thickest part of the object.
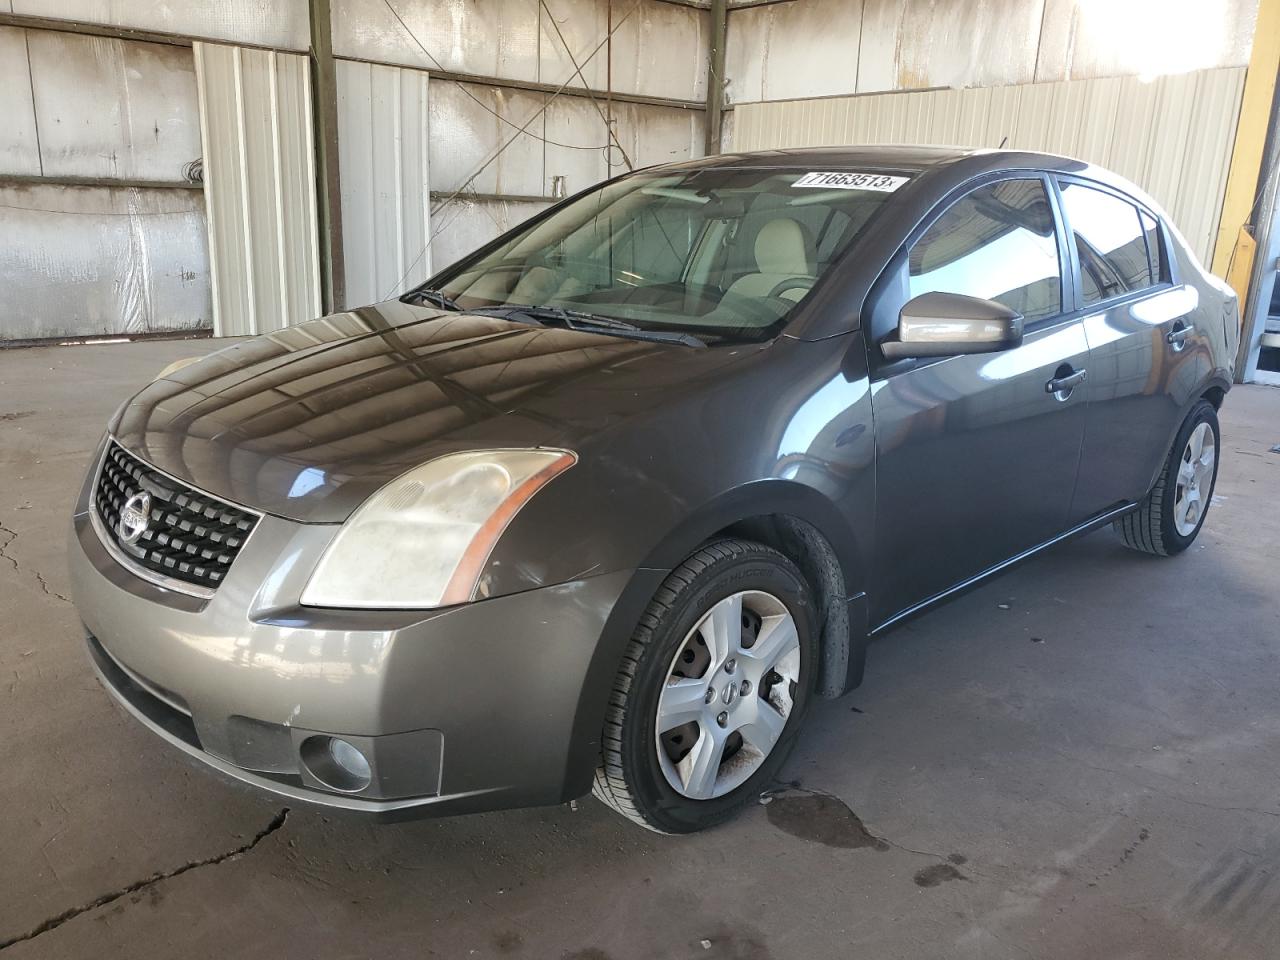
(589, 323)
(436, 298)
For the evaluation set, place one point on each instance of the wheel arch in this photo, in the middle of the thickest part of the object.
(794, 519)
(1214, 389)
(1215, 392)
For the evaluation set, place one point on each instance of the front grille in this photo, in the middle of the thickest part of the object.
(189, 536)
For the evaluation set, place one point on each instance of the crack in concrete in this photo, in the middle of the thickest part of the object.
(44, 584)
(47, 589)
(4, 547)
(70, 914)
(1157, 791)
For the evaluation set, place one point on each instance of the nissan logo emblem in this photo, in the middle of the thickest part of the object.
(135, 516)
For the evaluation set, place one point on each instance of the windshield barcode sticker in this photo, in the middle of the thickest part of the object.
(851, 181)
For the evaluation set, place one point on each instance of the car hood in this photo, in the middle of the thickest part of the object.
(308, 421)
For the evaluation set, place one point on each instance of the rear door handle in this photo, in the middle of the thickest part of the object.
(1178, 335)
(1062, 384)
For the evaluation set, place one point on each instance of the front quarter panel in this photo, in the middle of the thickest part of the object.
(788, 430)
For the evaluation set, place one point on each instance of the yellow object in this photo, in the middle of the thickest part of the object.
(1240, 266)
(1251, 135)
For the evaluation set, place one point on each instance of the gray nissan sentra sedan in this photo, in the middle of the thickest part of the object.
(606, 505)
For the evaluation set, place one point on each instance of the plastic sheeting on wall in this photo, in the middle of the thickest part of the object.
(260, 190)
(109, 108)
(92, 261)
(1172, 136)
(267, 23)
(659, 49)
(842, 47)
(465, 225)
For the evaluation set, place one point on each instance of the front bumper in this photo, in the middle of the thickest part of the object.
(481, 706)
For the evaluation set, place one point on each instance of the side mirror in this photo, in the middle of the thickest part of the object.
(942, 324)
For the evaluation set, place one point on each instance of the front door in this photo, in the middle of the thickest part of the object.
(976, 455)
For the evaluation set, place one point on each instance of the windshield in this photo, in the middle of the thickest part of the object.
(726, 253)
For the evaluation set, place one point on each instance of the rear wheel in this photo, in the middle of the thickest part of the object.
(712, 689)
(1171, 516)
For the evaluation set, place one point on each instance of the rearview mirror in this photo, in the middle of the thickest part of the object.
(942, 324)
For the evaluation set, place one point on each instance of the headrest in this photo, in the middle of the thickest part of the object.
(782, 248)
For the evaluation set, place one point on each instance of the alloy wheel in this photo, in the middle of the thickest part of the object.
(1195, 480)
(729, 691)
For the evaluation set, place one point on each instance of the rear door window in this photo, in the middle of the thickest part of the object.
(1111, 239)
(997, 242)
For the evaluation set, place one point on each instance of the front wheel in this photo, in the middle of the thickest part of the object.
(712, 689)
(1171, 515)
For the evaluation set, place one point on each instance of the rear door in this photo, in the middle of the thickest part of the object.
(1144, 351)
(976, 457)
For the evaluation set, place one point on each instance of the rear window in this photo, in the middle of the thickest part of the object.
(1112, 241)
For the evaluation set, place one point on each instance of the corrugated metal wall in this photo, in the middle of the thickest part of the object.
(386, 177)
(1172, 136)
(255, 118)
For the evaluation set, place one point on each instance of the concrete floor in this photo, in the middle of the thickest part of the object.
(1081, 759)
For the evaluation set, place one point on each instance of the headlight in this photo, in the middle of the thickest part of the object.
(423, 539)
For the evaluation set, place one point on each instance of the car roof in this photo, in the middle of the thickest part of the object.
(943, 167)
(898, 156)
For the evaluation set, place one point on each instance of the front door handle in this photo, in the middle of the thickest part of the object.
(1065, 383)
(1177, 337)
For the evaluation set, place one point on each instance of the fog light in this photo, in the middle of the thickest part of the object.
(349, 759)
(336, 763)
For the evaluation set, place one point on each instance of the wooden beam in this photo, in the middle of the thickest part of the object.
(324, 99)
(1256, 109)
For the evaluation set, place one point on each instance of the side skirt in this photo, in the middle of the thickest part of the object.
(966, 585)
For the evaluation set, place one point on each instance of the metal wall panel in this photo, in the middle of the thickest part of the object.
(1172, 136)
(568, 139)
(114, 109)
(1084, 39)
(839, 47)
(19, 153)
(465, 132)
(463, 135)
(90, 261)
(498, 38)
(268, 23)
(382, 139)
(658, 50)
(654, 135)
(255, 109)
(465, 225)
(789, 50)
(921, 43)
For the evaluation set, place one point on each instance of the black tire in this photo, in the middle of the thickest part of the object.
(1151, 528)
(629, 777)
